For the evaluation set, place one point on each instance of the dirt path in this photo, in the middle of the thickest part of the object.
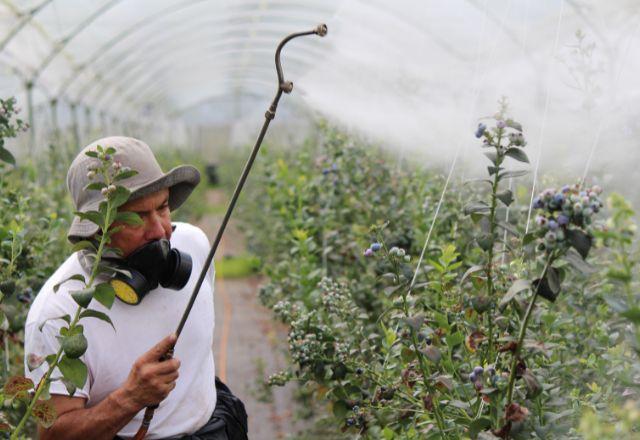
(248, 344)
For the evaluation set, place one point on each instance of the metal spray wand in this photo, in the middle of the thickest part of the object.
(283, 86)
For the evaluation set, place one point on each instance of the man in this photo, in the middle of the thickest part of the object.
(126, 368)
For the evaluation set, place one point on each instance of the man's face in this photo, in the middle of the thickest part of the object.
(154, 212)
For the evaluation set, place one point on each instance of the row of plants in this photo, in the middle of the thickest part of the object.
(35, 213)
(504, 320)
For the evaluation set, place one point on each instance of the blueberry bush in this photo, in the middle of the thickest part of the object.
(509, 320)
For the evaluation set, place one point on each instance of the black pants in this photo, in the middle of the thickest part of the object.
(228, 421)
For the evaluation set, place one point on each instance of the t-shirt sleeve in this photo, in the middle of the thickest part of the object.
(43, 343)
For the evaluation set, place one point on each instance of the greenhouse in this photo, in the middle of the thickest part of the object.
(339, 219)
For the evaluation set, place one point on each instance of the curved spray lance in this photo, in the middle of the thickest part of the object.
(283, 86)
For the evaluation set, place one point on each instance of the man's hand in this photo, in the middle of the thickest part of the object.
(151, 379)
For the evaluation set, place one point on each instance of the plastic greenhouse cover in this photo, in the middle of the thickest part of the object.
(416, 75)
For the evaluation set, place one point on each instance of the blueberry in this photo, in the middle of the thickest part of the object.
(351, 421)
(472, 377)
(559, 199)
(563, 220)
(537, 203)
(566, 189)
(326, 171)
(478, 370)
(541, 220)
(359, 371)
(553, 224)
(480, 130)
(375, 247)
(368, 252)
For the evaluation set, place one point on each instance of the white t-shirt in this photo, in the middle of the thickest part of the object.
(111, 354)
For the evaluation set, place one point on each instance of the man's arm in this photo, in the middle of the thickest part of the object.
(150, 381)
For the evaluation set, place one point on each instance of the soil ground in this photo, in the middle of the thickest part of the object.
(248, 344)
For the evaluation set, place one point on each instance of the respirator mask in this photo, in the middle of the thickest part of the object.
(153, 264)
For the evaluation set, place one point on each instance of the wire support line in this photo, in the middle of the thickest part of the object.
(544, 116)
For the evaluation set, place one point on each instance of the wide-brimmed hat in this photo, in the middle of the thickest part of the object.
(136, 155)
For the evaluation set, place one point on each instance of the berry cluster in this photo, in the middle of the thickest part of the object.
(375, 247)
(571, 205)
(476, 377)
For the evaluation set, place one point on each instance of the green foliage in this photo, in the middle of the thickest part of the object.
(463, 349)
(73, 344)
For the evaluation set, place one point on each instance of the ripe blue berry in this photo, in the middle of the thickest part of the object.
(376, 247)
(480, 130)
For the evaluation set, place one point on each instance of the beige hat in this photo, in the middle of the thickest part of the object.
(136, 155)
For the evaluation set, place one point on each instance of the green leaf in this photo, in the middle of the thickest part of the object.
(65, 318)
(74, 345)
(485, 242)
(84, 244)
(511, 174)
(95, 186)
(73, 370)
(544, 290)
(125, 175)
(507, 227)
(105, 294)
(493, 157)
(6, 156)
(93, 216)
(44, 412)
(120, 196)
(633, 315)
(471, 270)
(110, 150)
(517, 287)
(130, 218)
(505, 197)
(493, 170)
(91, 153)
(478, 425)
(340, 409)
(474, 207)
(71, 388)
(553, 279)
(517, 154)
(528, 238)
(76, 277)
(90, 313)
(83, 297)
(579, 241)
(454, 339)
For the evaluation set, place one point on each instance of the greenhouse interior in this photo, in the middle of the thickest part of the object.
(339, 219)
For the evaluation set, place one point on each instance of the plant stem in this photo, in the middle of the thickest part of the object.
(523, 331)
(76, 318)
(492, 231)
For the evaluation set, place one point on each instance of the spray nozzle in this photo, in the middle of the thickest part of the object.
(321, 30)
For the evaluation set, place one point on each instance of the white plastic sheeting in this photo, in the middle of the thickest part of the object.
(413, 74)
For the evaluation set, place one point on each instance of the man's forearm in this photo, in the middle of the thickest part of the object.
(99, 422)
